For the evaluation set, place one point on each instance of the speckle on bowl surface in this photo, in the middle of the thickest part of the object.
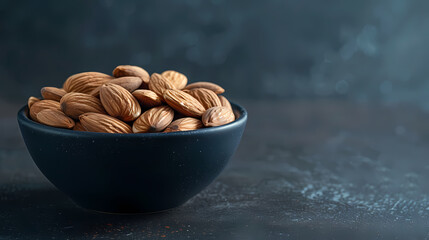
(131, 173)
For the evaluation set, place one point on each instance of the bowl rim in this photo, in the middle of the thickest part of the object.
(24, 119)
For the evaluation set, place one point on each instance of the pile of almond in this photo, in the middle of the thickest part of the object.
(131, 101)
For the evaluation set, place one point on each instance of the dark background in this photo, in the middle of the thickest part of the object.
(355, 50)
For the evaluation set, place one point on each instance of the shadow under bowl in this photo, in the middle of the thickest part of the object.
(131, 173)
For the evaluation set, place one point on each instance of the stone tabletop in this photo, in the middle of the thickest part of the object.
(304, 170)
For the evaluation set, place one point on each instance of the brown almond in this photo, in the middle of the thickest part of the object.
(85, 82)
(206, 97)
(211, 86)
(96, 122)
(154, 120)
(147, 98)
(31, 101)
(129, 83)
(159, 84)
(42, 105)
(119, 102)
(183, 103)
(128, 70)
(55, 118)
(52, 93)
(184, 124)
(78, 127)
(225, 103)
(179, 80)
(75, 104)
(217, 116)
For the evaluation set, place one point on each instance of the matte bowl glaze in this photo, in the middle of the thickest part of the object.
(131, 173)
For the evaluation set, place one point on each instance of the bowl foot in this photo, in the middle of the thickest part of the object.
(124, 209)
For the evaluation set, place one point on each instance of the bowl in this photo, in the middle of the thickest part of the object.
(131, 173)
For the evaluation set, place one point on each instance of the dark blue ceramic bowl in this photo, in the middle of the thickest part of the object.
(131, 173)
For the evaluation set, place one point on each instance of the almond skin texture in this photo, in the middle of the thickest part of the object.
(31, 101)
(154, 120)
(179, 80)
(52, 93)
(42, 105)
(96, 122)
(184, 124)
(225, 102)
(183, 103)
(211, 86)
(128, 70)
(217, 116)
(147, 98)
(55, 118)
(78, 127)
(119, 102)
(85, 82)
(75, 104)
(129, 83)
(206, 97)
(158, 84)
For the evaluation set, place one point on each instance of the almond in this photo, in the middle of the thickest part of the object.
(128, 70)
(42, 105)
(147, 98)
(217, 116)
(55, 118)
(78, 127)
(184, 124)
(211, 86)
(154, 120)
(129, 83)
(96, 122)
(52, 93)
(75, 104)
(31, 101)
(85, 82)
(119, 102)
(183, 103)
(206, 97)
(159, 84)
(225, 103)
(179, 80)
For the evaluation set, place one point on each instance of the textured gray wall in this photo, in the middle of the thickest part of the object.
(356, 50)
